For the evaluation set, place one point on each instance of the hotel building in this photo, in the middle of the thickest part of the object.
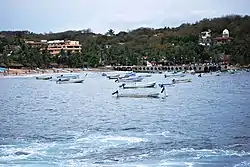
(56, 46)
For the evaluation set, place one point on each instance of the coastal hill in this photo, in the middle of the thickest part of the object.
(178, 45)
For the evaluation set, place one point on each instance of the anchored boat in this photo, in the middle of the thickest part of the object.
(143, 95)
(145, 75)
(179, 74)
(69, 81)
(130, 74)
(113, 76)
(70, 76)
(44, 77)
(211, 74)
(147, 85)
(165, 84)
(130, 79)
(175, 81)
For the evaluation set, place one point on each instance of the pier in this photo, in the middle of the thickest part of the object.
(157, 69)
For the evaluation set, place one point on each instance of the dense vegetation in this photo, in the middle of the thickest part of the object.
(167, 45)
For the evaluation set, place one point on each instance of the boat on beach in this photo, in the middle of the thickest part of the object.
(2, 69)
(135, 86)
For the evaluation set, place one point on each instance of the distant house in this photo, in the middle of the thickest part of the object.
(224, 38)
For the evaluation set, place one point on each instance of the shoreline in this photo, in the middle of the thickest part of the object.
(31, 73)
(16, 73)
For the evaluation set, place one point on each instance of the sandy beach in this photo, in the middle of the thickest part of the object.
(54, 71)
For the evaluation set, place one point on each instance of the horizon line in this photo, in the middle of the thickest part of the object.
(128, 29)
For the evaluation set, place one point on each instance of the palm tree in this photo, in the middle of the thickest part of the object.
(110, 32)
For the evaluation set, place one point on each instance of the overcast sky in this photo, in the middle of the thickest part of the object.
(101, 15)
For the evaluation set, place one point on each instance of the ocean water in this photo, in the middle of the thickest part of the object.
(203, 123)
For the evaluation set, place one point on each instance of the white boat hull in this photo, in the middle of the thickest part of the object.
(175, 75)
(153, 95)
(181, 81)
(148, 85)
(71, 81)
(137, 79)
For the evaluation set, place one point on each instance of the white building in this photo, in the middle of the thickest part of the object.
(224, 38)
(205, 38)
(225, 33)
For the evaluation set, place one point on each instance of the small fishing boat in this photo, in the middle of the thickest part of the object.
(2, 69)
(179, 74)
(44, 77)
(144, 95)
(147, 85)
(69, 81)
(70, 76)
(113, 76)
(130, 74)
(166, 84)
(175, 81)
(59, 79)
(130, 79)
(145, 75)
(211, 74)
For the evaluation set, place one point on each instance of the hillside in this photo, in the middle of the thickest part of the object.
(170, 45)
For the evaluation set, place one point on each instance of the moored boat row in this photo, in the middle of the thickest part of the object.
(63, 78)
(139, 82)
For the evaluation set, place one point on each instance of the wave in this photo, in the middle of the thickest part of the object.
(115, 149)
(243, 164)
(185, 164)
(111, 139)
(64, 152)
(125, 139)
(22, 152)
(204, 153)
(237, 145)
